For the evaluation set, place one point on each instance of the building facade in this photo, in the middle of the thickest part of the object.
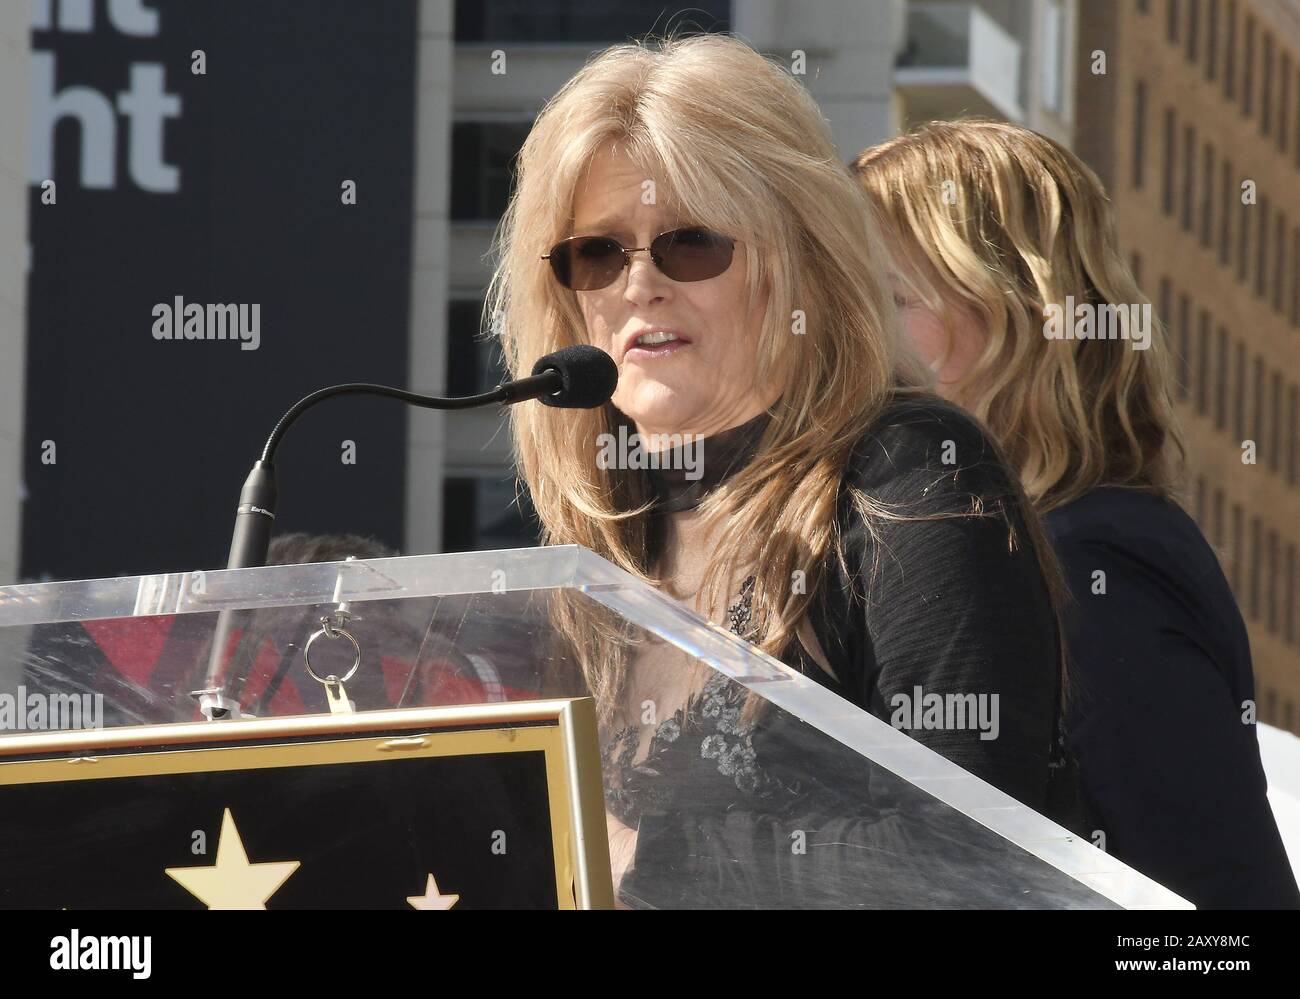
(1194, 127)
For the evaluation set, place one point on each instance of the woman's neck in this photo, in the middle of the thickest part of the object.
(689, 472)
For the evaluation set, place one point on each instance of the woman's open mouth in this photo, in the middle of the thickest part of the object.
(658, 343)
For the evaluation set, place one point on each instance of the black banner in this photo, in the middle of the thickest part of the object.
(228, 228)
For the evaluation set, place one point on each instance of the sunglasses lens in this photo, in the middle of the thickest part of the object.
(692, 254)
(587, 262)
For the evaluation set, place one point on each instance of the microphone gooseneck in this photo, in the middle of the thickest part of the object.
(578, 377)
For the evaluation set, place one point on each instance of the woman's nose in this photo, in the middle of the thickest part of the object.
(646, 283)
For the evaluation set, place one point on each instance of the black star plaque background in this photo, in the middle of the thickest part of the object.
(364, 834)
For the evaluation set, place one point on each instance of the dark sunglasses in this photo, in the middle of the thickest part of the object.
(589, 263)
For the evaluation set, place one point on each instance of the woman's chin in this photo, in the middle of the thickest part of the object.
(657, 407)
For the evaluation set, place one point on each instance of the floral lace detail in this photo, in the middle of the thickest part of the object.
(732, 745)
(712, 718)
(740, 614)
(640, 786)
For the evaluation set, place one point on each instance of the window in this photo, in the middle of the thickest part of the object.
(474, 361)
(1239, 397)
(1288, 597)
(1230, 54)
(1279, 261)
(1237, 551)
(1225, 222)
(1275, 424)
(1266, 89)
(1295, 273)
(1184, 347)
(1221, 382)
(1217, 529)
(573, 21)
(1212, 40)
(1257, 421)
(480, 513)
(1167, 192)
(1295, 151)
(1261, 249)
(1189, 174)
(1256, 565)
(1166, 306)
(1203, 365)
(1052, 67)
(482, 161)
(1193, 29)
(1243, 238)
(1293, 436)
(1139, 132)
(1272, 582)
(1284, 104)
(1248, 70)
(1207, 196)
(1172, 14)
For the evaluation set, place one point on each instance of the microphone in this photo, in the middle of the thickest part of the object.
(588, 377)
(577, 377)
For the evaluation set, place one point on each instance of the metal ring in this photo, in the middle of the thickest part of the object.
(338, 632)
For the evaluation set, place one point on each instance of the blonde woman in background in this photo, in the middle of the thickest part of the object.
(681, 205)
(1007, 269)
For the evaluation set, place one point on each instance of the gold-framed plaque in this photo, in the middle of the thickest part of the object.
(465, 807)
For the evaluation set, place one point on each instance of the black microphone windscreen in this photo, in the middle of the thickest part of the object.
(589, 374)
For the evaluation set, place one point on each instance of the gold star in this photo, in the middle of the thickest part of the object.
(233, 883)
(432, 899)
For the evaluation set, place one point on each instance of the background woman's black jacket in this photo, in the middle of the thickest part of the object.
(1167, 752)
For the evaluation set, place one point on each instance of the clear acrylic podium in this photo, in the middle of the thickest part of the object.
(871, 818)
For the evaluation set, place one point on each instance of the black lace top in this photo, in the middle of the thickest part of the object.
(946, 596)
(707, 731)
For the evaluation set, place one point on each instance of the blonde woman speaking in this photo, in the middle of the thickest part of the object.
(681, 206)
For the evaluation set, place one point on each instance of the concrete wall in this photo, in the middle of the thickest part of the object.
(429, 278)
(15, 45)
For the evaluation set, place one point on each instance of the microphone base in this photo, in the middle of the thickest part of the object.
(215, 705)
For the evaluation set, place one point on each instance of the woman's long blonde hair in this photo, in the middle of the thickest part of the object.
(736, 144)
(1000, 222)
